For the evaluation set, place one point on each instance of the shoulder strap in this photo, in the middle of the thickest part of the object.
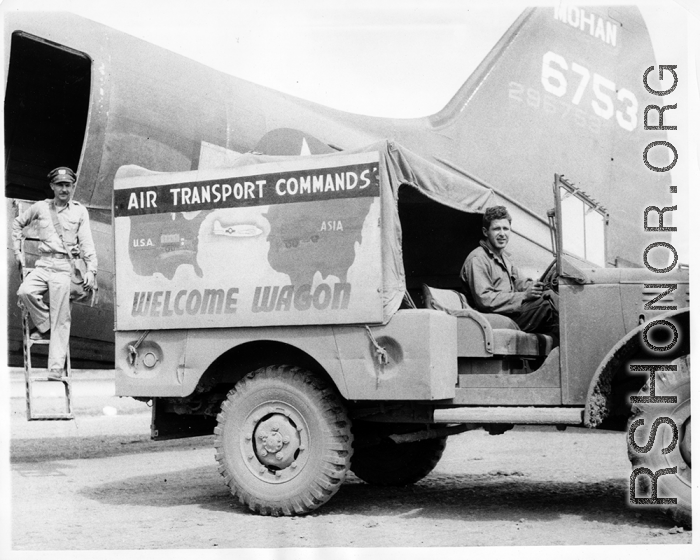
(57, 226)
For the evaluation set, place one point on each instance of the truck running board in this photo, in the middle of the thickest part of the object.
(508, 415)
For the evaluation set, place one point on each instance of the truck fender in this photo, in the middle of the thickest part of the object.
(597, 403)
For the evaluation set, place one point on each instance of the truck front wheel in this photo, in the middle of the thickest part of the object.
(661, 460)
(386, 463)
(283, 441)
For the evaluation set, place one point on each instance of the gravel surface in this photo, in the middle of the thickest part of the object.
(99, 483)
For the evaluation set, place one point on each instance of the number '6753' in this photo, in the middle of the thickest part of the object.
(557, 75)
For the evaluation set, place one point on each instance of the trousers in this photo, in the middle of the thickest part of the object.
(52, 276)
(540, 315)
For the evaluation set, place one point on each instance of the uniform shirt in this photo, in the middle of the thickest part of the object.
(76, 224)
(492, 282)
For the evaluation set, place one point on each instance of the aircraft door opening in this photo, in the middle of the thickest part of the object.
(46, 109)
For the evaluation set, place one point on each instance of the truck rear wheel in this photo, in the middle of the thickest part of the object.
(676, 484)
(283, 441)
(397, 464)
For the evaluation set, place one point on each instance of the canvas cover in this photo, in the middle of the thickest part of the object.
(270, 240)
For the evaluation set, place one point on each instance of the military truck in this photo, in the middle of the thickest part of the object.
(308, 311)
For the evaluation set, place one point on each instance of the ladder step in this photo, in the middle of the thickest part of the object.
(66, 416)
(30, 378)
(33, 342)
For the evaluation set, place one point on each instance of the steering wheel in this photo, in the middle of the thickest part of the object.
(550, 278)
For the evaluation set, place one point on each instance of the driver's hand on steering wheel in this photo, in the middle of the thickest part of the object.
(534, 291)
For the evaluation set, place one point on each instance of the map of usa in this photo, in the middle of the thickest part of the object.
(164, 242)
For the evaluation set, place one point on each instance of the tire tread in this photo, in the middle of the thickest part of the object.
(335, 458)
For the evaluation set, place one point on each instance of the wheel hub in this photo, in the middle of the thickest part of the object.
(276, 441)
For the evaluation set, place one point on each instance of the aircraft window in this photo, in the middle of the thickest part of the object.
(46, 107)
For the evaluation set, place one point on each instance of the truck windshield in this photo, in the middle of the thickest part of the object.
(582, 222)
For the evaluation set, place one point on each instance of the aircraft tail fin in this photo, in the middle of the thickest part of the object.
(562, 92)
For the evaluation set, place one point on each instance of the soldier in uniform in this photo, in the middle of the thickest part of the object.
(494, 284)
(52, 272)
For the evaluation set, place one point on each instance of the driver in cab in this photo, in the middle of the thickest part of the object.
(494, 285)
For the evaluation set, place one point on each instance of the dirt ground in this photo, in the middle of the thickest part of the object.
(99, 483)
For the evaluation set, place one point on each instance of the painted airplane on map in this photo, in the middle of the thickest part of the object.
(560, 92)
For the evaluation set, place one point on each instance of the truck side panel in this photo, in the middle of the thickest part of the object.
(593, 316)
(420, 347)
(153, 368)
(197, 349)
(601, 312)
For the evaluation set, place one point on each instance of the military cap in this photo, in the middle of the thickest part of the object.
(62, 174)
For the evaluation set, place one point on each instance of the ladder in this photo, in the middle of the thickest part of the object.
(30, 378)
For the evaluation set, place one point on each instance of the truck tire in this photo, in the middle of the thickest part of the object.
(397, 464)
(283, 441)
(672, 485)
